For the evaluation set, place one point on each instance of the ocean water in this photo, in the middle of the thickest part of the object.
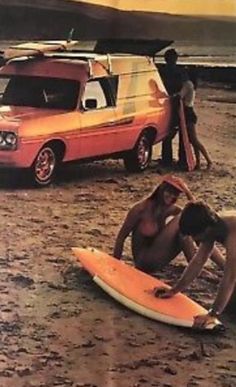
(224, 53)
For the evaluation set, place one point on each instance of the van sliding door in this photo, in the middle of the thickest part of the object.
(98, 119)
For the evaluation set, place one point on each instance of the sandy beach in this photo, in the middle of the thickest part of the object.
(57, 327)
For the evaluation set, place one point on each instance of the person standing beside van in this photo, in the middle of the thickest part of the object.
(172, 77)
(187, 93)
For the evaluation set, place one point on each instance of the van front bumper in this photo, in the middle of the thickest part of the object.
(20, 158)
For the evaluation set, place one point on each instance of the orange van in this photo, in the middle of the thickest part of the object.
(65, 106)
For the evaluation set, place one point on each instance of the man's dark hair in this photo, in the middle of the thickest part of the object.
(196, 217)
(171, 55)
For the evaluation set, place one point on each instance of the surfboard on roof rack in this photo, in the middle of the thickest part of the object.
(102, 46)
(37, 48)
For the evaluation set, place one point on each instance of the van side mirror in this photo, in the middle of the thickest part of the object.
(90, 103)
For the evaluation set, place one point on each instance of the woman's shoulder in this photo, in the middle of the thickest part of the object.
(140, 205)
(189, 84)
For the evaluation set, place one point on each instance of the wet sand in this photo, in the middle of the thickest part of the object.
(57, 327)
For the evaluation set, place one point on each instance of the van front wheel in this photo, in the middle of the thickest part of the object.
(44, 166)
(139, 158)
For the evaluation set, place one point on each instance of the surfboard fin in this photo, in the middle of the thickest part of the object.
(70, 36)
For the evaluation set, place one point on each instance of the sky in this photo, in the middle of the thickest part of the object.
(183, 7)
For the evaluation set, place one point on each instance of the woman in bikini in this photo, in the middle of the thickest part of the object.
(187, 93)
(154, 226)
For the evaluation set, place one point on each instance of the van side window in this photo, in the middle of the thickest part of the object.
(41, 92)
(100, 93)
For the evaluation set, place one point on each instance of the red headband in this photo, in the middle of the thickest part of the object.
(175, 181)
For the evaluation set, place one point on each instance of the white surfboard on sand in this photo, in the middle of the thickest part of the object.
(134, 289)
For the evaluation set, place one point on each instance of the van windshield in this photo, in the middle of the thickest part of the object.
(40, 92)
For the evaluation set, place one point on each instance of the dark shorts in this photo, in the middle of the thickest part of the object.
(190, 115)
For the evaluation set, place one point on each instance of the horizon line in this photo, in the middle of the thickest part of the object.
(223, 9)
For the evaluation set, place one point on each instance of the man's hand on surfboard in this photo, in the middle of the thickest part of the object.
(162, 292)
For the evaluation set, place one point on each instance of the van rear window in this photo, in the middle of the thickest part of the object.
(102, 90)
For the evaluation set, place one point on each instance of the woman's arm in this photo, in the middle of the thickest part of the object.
(189, 195)
(129, 224)
(183, 187)
(187, 192)
(190, 273)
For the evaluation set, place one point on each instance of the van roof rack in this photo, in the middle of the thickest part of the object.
(74, 49)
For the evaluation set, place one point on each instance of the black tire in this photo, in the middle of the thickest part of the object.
(139, 158)
(44, 166)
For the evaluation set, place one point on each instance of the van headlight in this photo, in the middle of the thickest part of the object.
(8, 140)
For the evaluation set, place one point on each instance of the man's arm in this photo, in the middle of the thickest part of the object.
(190, 273)
(228, 281)
(194, 267)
